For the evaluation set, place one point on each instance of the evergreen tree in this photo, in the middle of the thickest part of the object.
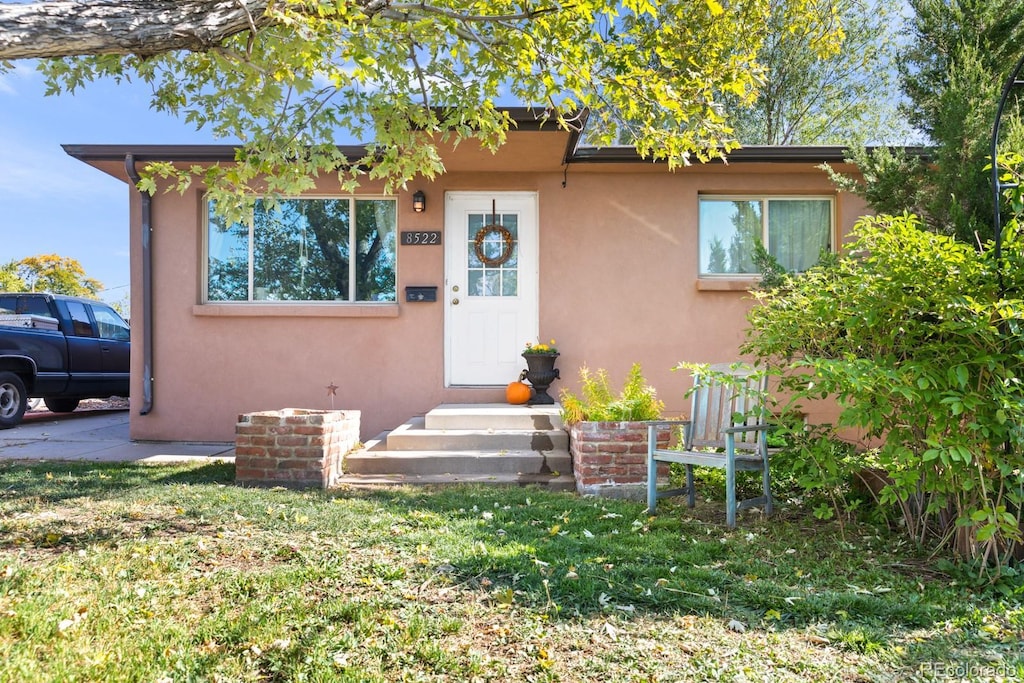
(952, 72)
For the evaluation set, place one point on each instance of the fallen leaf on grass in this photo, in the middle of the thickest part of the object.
(737, 626)
(76, 619)
(505, 597)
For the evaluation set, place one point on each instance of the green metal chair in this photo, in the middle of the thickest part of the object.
(727, 429)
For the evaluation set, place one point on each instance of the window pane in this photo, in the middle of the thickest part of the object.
(375, 239)
(321, 243)
(34, 306)
(300, 250)
(80, 323)
(729, 229)
(475, 282)
(484, 282)
(227, 260)
(510, 283)
(110, 324)
(511, 223)
(798, 230)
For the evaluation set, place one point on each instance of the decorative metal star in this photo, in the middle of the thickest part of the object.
(332, 389)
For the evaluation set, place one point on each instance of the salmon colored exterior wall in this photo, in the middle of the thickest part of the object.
(618, 284)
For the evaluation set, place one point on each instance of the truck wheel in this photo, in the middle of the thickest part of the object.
(61, 405)
(13, 399)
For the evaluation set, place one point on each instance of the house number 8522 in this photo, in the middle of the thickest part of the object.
(415, 237)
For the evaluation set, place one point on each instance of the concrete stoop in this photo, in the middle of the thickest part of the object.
(474, 443)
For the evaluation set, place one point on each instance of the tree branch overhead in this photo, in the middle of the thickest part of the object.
(284, 76)
(138, 27)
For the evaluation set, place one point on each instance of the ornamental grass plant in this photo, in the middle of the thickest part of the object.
(597, 402)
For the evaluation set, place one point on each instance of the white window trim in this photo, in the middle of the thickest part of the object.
(204, 285)
(749, 279)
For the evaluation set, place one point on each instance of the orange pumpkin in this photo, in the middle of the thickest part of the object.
(517, 393)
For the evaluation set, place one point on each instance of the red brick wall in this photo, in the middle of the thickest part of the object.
(294, 447)
(607, 455)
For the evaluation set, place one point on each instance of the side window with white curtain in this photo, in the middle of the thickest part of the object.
(794, 230)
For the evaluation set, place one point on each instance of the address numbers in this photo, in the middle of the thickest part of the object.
(420, 237)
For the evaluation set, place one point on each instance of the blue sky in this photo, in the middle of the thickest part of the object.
(52, 203)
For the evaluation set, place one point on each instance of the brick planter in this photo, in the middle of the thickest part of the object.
(294, 447)
(610, 458)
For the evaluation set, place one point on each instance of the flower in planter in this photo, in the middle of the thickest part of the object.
(541, 349)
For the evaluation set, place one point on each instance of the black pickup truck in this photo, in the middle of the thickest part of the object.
(61, 349)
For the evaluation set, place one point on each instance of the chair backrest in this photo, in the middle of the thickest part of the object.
(727, 391)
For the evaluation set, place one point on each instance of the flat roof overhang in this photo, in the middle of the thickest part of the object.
(530, 154)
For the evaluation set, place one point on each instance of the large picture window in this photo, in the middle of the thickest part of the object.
(794, 230)
(338, 249)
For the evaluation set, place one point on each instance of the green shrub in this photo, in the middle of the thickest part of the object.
(919, 339)
(597, 403)
(820, 465)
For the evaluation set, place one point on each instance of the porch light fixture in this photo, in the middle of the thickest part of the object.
(419, 202)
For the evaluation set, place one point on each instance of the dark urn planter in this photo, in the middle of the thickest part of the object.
(540, 373)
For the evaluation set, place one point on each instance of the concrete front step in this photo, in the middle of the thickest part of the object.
(551, 463)
(479, 443)
(563, 482)
(497, 416)
(414, 436)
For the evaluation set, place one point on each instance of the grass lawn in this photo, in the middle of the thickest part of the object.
(145, 573)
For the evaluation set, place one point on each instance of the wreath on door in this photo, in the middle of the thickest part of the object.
(507, 245)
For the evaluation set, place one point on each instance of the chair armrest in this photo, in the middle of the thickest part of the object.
(653, 426)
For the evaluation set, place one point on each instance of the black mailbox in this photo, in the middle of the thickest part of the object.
(421, 294)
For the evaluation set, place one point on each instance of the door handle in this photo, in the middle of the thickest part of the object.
(455, 302)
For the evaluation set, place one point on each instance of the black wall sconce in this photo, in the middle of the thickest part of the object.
(419, 202)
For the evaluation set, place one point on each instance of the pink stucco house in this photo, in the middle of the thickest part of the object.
(387, 297)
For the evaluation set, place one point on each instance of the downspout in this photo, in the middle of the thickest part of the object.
(147, 286)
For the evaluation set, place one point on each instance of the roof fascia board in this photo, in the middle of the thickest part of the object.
(751, 154)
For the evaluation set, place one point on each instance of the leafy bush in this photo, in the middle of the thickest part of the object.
(919, 338)
(597, 403)
(820, 465)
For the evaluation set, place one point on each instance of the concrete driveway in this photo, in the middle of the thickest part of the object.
(100, 435)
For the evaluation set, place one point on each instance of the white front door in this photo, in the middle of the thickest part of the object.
(491, 303)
